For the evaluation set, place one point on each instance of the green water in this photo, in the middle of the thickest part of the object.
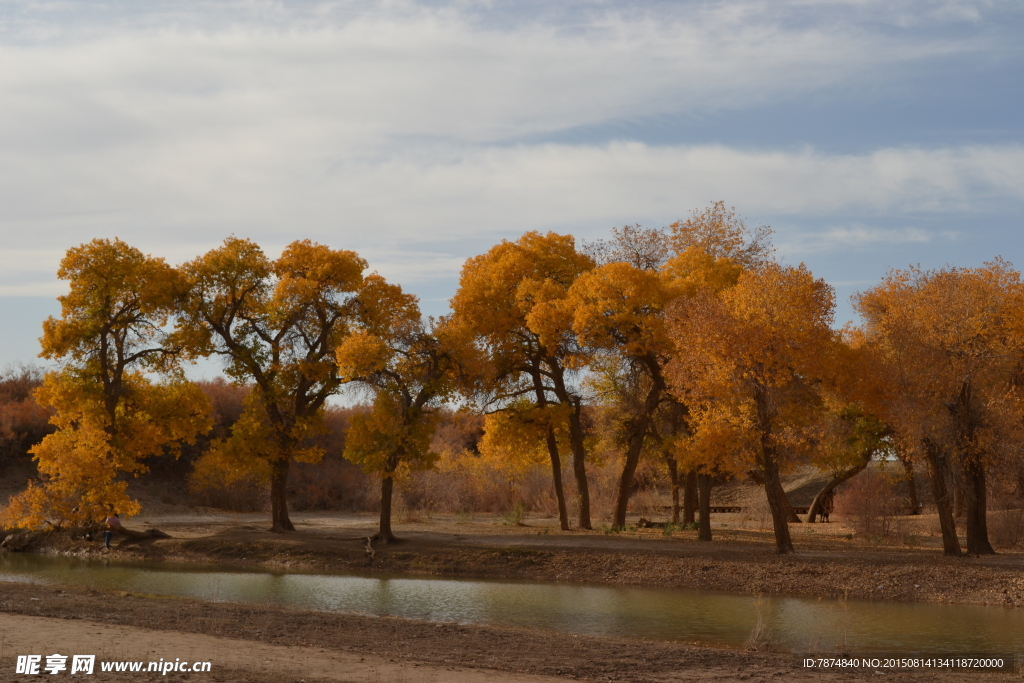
(800, 624)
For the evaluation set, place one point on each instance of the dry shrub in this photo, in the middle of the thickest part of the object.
(1006, 519)
(249, 494)
(603, 484)
(872, 503)
(23, 422)
(649, 503)
(466, 482)
(759, 514)
(1006, 527)
(332, 484)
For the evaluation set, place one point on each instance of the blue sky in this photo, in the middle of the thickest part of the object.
(869, 135)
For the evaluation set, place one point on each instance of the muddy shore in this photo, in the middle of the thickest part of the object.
(827, 564)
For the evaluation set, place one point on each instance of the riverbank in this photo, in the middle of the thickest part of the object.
(276, 645)
(829, 562)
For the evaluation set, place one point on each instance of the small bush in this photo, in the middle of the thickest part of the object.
(1006, 526)
(871, 503)
(759, 514)
(514, 517)
(243, 495)
(332, 484)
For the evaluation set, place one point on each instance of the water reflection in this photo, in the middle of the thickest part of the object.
(692, 616)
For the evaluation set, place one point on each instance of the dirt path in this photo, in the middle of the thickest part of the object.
(21, 634)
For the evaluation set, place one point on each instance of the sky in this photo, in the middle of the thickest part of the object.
(868, 134)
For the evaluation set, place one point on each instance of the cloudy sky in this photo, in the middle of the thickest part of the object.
(868, 134)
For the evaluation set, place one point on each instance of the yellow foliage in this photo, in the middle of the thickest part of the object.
(80, 463)
(515, 440)
(747, 356)
(384, 437)
(109, 415)
(619, 306)
(947, 347)
(362, 354)
(511, 295)
(117, 293)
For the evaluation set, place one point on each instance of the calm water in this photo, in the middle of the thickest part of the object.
(692, 616)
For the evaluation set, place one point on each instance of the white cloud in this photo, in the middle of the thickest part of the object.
(857, 236)
(385, 127)
(384, 74)
(428, 194)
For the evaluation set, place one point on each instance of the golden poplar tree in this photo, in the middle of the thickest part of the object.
(950, 340)
(510, 302)
(110, 416)
(276, 325)
(619, 308)
(745, 359)
(410, 366)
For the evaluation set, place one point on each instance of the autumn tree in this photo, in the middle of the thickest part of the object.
(622, 383)
(951, 345)
(618, 309)
(511, 302)
(748, 357)
(409, 365)
(719, 232)
(276, 325)
(108, 413)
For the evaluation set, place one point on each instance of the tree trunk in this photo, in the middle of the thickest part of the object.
(778, 505)
(704, 493)
(971, 498)
(976, 503)
(556, 461)
(959, 498)
(791, 515)
(279, 496)
(576, 443)
(637, 433)
(690, 502)
(937, 469)
(908, 469)
(387, 487)
(815, 510)
(673, 476)
(579, 465)
(556, 473)
(777, 502)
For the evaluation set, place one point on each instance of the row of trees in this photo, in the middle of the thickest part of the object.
(701, 349)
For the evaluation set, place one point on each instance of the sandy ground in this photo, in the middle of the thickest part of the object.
(234, 659)
(276, 645)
